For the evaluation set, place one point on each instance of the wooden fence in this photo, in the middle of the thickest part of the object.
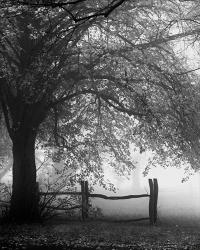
(85, 195)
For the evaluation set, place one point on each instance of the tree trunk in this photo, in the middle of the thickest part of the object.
(24, 204)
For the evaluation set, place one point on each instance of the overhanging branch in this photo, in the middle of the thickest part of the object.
(109, 99)
(105, 10)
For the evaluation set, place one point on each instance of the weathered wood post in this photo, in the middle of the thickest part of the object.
(155, 189)
(83, 199)
(37, 197)
(84, 194)
(86, 199)
(151, 202)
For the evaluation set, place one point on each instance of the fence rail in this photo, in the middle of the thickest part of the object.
(63, 208)
(118, 197)
(85, 195)
(60, 193)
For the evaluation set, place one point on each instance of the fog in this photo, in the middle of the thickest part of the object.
(176, 199)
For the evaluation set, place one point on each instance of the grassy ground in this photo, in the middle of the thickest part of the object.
(98, 234)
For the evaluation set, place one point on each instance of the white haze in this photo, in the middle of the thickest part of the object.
(177, 199)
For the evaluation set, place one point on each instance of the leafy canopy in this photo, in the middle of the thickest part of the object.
(97, 85)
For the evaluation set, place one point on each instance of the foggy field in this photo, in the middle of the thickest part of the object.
(62, 234)
(113, 227)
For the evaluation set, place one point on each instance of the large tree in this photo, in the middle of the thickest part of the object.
(57, 61)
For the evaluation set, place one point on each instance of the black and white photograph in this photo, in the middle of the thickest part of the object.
(99, 124)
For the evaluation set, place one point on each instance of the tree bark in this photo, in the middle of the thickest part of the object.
(24, 204)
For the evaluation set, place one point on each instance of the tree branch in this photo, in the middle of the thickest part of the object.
(112, 101)
(155, 42)
(104, 11)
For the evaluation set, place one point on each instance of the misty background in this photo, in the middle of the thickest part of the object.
(178, 198)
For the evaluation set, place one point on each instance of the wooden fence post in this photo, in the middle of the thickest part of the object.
(37, 200)
(155, 189)
(86, 199)
(37, 195)
(83, 199)
(151, 202)
(85, 195)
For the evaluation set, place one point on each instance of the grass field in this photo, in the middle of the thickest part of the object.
(101, 234)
